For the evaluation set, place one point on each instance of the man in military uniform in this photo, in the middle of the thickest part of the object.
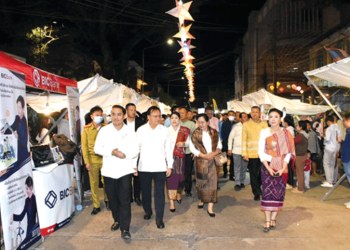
(93, 161)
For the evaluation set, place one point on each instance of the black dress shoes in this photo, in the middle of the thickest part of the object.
(107, 205)
(257, 197)
(242, 186)
(179, 201)
(115, 226)
(147, 216)
(160, 224)
(95, 211)
(126, 235)
(173, 210)
(138, 202)
(211, 214)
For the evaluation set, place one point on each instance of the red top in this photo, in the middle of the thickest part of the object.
(307, 166)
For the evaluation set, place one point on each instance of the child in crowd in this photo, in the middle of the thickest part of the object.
(307, 169)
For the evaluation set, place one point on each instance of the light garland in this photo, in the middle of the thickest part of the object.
(181, 12)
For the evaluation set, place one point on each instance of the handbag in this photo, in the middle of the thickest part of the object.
(220, 159)
(42, 155)
(67, 147)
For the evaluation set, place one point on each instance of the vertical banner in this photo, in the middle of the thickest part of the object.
(17, 194)
(75, 131)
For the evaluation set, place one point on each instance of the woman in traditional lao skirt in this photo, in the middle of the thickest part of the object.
(205, 145)
(180, 137)
(276, 149)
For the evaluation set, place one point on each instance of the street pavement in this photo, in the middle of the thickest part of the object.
(305, 223)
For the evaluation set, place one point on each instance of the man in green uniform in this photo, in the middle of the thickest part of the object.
(93, 161)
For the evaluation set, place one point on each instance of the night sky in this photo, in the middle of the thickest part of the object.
(218, 26)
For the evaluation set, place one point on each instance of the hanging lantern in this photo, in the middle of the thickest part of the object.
(272, 87)
(288, 86)
(281, 89)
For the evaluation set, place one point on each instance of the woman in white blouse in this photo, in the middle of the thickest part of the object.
(205, 144)
(179, 137)
(43, 129)
(276, 148)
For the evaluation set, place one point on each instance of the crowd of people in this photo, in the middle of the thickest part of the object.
(131, 153)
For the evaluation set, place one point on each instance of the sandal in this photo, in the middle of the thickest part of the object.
(267, 228)
(273, 227)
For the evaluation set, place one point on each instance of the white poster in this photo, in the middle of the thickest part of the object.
(17, 189)
(13, 120)
(55, 197)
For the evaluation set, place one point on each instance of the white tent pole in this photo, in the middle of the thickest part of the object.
(323, 96)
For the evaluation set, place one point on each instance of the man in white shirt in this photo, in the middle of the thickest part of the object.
(155, 163)
(134, 123)
(235, 148)
(118, 145)
(331, 150)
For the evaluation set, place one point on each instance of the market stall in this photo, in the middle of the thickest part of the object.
(22, 192)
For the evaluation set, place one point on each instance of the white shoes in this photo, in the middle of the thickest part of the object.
(347, 204)
(326, 185)
(348, 207)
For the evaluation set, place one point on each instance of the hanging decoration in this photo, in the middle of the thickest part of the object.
(181, 12)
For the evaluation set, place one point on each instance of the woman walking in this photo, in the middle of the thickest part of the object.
(276, 148)
(179, 137)
(301, 145)
(205, 145)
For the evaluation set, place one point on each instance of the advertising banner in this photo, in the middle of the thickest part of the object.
(35, 77)
(75, 127)
(54, 197)
(17, 194)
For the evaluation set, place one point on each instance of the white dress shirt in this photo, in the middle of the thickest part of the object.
(173, 136)
(261, 151)
(331, 138)
(206, 142)
(125, 140)
(131, 124)
(235, 139)
(155, 148)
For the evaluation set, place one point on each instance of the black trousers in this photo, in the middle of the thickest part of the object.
(254, 166)
(188, 172)
(136, 188)
(159, 196)
(118, 192)
(232, 172)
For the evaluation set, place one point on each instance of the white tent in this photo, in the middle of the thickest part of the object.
(96, 91)
(262, 97)
(238, 106)
(338, 72)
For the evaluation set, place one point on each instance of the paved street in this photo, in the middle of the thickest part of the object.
(305, 223)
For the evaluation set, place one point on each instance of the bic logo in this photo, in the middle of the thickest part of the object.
(51, 199)
(66, 192)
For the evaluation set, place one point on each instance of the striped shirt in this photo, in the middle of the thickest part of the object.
(250, 138)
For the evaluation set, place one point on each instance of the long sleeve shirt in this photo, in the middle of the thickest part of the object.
(155, 149)
(332, 133)
(250, 138)
(207, 144)
(125, 140)
(345, 156)
(235, 139)
(262, 142)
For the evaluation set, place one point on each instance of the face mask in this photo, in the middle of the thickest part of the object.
(231, 118)
(98, 119)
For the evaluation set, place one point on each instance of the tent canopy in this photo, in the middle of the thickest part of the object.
(35, 77)
(338, 72)
(96, 91)
(262, 97)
